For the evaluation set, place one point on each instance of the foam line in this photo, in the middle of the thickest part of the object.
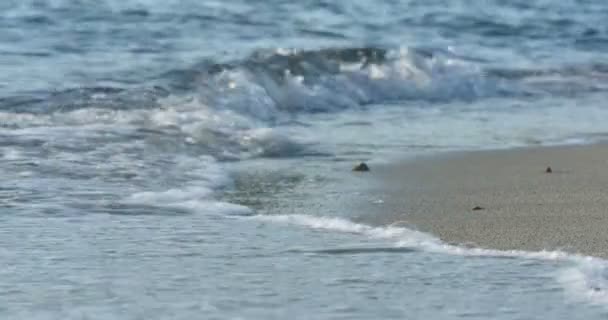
(584, 278)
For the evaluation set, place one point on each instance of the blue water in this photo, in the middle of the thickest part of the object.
(191, 159)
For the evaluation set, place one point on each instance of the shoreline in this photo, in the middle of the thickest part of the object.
(501, 199)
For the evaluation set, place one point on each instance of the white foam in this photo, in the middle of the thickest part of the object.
(583, 277)
(205, 176)
(343, 225)
(587, 281)
(17, 120)
(11, 154)
(234, 134)
(198, 199)
(171, 195)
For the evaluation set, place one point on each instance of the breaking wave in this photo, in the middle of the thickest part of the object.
(246, 109)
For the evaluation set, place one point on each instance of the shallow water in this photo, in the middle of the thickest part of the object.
(191, 159)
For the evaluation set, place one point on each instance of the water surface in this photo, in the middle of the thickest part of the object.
(191, 159)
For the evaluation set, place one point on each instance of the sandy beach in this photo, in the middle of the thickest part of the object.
(520, 205)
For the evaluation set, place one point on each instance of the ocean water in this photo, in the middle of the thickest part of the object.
(191, 159)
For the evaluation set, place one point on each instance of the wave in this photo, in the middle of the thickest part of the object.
(235, 110)
(103, 97)
(289, 81)
(244, 109)
(568, 80)
(270, 85)
(582, 276)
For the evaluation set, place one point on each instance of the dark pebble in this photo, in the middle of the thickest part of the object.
(362, 167)
(477, 208)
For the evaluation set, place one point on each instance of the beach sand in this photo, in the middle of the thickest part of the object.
(523, 207)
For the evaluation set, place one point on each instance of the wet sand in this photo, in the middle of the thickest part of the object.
(521, 206)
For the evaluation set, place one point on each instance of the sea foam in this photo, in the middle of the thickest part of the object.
(582, 277)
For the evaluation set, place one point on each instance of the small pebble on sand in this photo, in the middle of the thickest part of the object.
(361, 167)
